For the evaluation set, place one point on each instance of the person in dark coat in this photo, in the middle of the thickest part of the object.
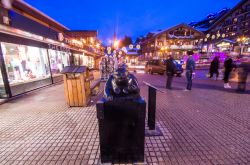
(214, 67)
(190, 67)
(244, 69)
(170, 70)
(228, 66)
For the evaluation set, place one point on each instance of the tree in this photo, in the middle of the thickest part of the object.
(139, 40)
(126, 41)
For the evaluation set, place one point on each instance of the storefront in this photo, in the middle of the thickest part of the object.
(90, 62)
(58, 60)
(25, 65)
(34, 49)
(28, 62)
(77, 58)
(82, 59)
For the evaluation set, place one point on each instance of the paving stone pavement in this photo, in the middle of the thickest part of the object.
(208, 125)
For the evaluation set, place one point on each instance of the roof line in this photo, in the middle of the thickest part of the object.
(168, 29)
(181, 24)
(41, 13)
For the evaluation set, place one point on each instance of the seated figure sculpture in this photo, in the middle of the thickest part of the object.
(121, 86)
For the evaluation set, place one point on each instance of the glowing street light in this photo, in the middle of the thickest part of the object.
(116, 44)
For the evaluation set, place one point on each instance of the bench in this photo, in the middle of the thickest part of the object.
(94, 83)
(94, 86)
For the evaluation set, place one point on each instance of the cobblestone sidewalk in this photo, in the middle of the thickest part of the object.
(208, 125)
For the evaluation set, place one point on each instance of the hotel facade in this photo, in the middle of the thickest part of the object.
(231, 33)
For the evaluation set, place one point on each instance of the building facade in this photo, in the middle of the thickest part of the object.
(231, 33)
(34, 49)
(175, 41)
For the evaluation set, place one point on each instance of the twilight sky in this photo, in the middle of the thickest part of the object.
(131, 17)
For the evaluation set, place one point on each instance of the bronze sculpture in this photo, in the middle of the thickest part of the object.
(122, 85)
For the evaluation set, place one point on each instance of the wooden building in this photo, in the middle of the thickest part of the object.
(175, 41)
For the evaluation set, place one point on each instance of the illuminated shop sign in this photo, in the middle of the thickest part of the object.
(59, 48)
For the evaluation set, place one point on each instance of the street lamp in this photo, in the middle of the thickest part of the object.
(116, 44)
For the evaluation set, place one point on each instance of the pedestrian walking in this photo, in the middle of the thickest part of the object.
(243, 70)
(190, 67)
(214, 67)
(228, 67)
(170, 70)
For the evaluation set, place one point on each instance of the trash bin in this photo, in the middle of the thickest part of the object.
(76, 85)
(121, 130)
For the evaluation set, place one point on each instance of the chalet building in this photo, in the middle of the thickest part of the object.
(231, 32)
(175, 41)
(34, 49)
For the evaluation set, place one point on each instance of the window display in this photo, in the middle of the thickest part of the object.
(58, 60)
(25, 63)
(1, 79)
(77, 59)
(91, 62)
(81, 59)
(84, 60)
(2, 88)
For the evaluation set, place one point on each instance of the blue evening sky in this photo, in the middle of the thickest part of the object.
(131, 17)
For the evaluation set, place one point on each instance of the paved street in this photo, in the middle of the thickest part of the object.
(208, 125)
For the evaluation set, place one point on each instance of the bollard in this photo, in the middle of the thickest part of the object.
(151, 107)
(153, 129)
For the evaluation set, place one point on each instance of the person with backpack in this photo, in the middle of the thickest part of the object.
(170, 71)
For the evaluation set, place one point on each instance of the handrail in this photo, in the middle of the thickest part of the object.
(156, 88)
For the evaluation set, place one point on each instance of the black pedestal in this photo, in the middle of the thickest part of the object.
(122, 130)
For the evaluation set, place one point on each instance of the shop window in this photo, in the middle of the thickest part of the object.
(25, 63)
(90, 62)
(2, 88)
(58, 60)
(77, 59)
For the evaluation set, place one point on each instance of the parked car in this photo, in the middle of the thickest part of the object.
(159, 66)
(155, 66)
(179, 68)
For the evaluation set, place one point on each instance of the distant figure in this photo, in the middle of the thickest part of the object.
(170, 70)
(190, 67)
(244, 69)
(214, 67)
(228, 65)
